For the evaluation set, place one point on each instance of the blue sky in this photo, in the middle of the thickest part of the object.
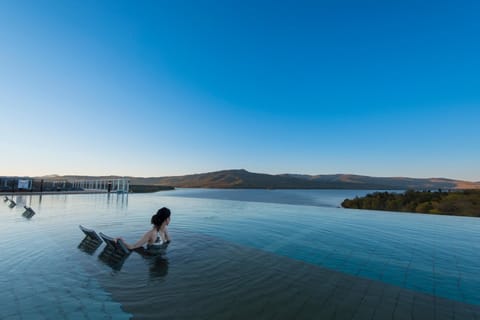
(156, 88)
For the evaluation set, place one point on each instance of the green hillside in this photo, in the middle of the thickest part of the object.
(461, 203)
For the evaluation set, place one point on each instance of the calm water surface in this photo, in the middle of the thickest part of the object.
(235, 254)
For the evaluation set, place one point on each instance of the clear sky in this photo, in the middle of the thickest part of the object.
(156, 88)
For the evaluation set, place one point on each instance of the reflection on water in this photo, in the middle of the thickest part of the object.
(113, 258)
(158, 266)
(89, 245)
(109, 201)
(117, 200)
(21, 200)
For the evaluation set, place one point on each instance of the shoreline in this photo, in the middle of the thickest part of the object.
(3, 193)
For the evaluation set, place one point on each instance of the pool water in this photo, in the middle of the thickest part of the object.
(238, 254)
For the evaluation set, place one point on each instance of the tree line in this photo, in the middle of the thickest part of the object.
(460, 203)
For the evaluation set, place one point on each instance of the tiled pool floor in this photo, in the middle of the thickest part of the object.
(228, 281)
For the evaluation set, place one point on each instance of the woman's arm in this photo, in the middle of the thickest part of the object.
(143, 240)
(129, 247)
(137, 244)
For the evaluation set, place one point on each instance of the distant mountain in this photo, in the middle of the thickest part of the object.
(244, 179)
(367, 182)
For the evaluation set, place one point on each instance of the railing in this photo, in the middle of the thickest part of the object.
(23, 184)
(121, 185)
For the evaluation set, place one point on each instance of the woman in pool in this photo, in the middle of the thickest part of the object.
(159, 231)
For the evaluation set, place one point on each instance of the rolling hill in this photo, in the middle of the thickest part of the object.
(244, 179)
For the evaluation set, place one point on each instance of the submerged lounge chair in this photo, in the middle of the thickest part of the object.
(91, 242)
(115, 252)
(116, 245)
(28, 213)
(90, 233)
(12, 203)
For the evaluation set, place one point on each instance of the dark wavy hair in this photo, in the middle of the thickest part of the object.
(161, 215)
